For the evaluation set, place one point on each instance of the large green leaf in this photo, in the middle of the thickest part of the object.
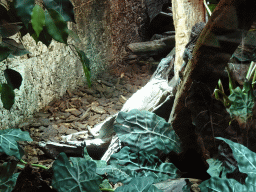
(125, 165)
(64, 7)
(143, 130)
(246, 160)
(13, 78)
(56, 26)
(7, 96)
(77, 176)
(86, 65)
(8, 141)
(24, 10)
(141, 184)
(7, 178)
(38, 19)
(4, 52)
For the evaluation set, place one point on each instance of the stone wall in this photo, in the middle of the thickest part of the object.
(104, 27)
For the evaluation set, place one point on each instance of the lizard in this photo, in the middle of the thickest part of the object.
(187, 55)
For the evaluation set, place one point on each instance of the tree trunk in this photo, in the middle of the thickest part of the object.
(217, 42)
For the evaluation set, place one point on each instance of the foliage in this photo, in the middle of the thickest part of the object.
(43, 25)
(143, 184)
(8, 141)
(143, 130)
(145, 134)
(240, 102)
(126, 165)
(219, 181)
(7, 176)
(77, 175)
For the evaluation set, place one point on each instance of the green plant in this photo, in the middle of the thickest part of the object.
(43, 25)
(220, 181)
(137, 165)
(240, 102)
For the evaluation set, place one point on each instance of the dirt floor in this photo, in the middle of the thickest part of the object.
(81, 109)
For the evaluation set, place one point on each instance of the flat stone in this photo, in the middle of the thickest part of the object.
(70, 131)
(44, 115)
(62, 129)
(98, 110)
(45, 122)
(22, 125)
(112, 111)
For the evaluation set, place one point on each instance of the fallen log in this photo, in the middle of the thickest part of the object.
(151, 48)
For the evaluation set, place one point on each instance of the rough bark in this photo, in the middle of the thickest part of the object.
(217, 42)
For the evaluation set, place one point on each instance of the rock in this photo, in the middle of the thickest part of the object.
(22, 125)
(45, 122)
(44, 115)
(99, 109)
(49, 133)
(70, 131)
(92, 120)
(112, 111)
(62, 129)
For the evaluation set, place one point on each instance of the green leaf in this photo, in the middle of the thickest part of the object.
(0, 87)
(215, 167)
(242, 102)
(64, 7)
(8, 141)
(246, 159)
(222, 185)
(143, 130)
(56, 26)
(24, 10)
(7, 96)
(4, 52)
(141, 184)
(14, 78)
(17, 49)
(38, 19)
(125, 165)
(7, 178)
(77, 176)
(8, 29)
(86, 65)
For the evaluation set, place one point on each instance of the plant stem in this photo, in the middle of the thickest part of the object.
(103, 189)
(35, 165)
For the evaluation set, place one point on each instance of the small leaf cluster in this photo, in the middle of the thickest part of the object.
(9, 146)
(44, 23)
